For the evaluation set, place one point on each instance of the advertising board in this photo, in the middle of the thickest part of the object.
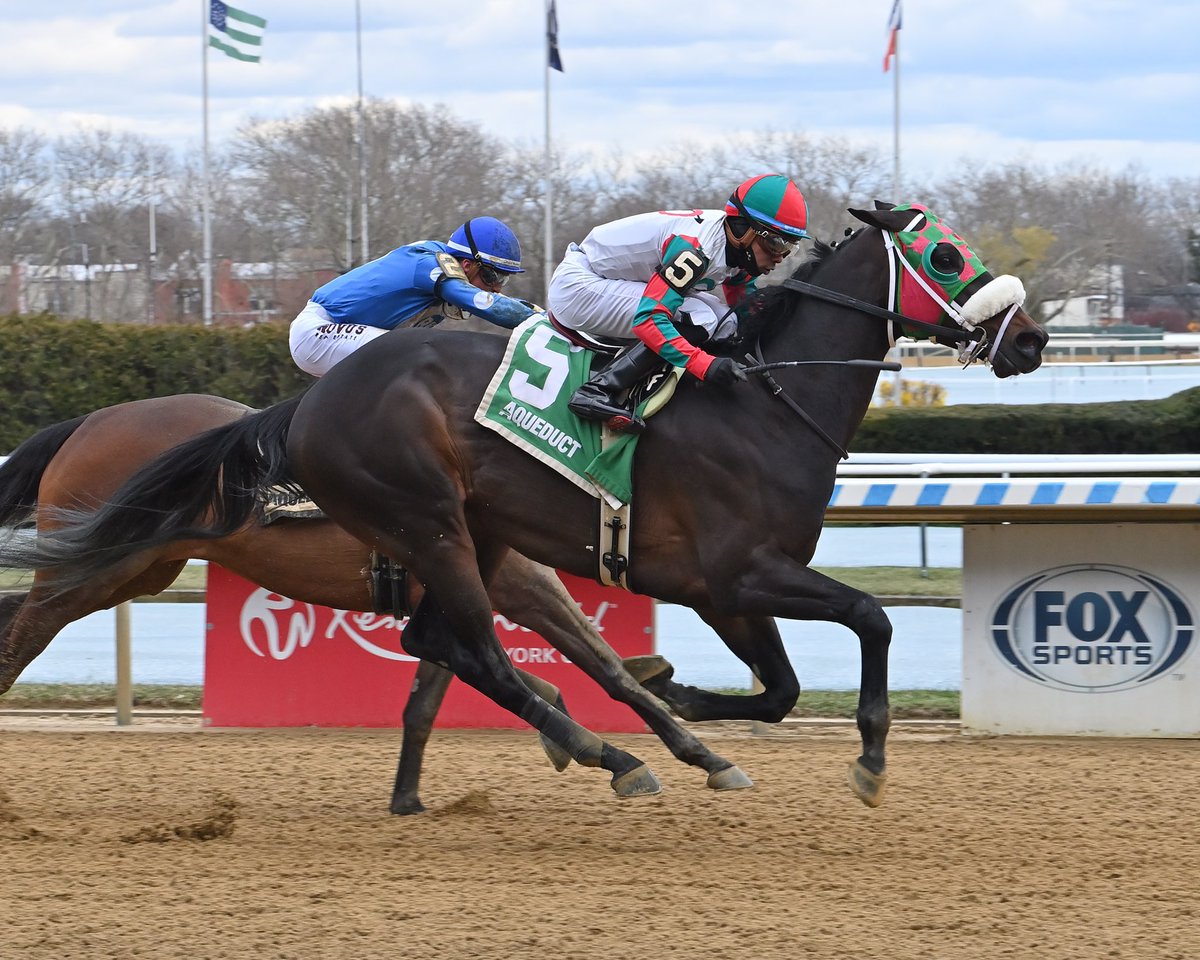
(272, 661)
(1081, 629)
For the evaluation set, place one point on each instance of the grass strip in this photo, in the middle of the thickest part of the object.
(881, 581)
(906, 704)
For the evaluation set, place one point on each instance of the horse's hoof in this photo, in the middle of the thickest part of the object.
(648, 668)
(638, 782)
(867, 786)
(558, 756)
(406, 806)
(731, 778)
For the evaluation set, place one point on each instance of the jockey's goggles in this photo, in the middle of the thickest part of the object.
(775, 243)
(491, 276)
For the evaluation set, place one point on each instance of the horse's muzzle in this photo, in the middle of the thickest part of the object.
(1020, 352)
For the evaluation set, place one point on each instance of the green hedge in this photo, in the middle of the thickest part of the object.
(52, 370)
(1170, 425)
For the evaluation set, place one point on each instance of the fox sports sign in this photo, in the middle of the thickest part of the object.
(1092, 628)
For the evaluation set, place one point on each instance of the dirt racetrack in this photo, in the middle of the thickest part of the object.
(166, 841)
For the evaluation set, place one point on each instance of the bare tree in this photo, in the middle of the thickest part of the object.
(26, 181)
(104, 185)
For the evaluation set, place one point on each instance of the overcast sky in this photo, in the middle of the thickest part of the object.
(1106, 82)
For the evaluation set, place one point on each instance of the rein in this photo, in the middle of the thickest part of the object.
(763, 369)
(844, 300)
(964, 335)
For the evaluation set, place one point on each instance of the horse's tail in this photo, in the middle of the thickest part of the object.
(21, 473)
(203, 489)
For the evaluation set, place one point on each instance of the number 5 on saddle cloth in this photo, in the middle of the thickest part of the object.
(526, 403)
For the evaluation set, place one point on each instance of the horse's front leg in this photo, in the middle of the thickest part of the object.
(463, 639)
(755, 641)
(533, 596)
(794, 592)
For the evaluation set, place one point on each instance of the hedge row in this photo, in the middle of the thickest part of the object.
(1170, 425)
(53, 370)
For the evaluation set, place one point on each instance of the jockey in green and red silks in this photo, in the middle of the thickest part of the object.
(632, 279)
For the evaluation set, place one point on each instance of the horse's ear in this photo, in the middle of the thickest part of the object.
(883, 205)
(884, 218)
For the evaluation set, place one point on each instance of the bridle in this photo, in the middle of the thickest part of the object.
(971, 336)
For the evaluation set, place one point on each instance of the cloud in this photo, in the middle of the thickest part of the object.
(1038, 79)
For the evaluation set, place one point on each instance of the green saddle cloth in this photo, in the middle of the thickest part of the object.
(526, 403)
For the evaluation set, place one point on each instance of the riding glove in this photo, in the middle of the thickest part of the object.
(725, 372)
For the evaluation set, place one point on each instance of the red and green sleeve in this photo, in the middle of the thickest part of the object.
(738, 287)
(683, 263)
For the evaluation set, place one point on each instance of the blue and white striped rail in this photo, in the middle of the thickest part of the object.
(906, 488)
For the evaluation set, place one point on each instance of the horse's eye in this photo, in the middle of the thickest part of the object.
(943, 262)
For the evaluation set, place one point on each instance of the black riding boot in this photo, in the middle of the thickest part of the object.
(598, 398)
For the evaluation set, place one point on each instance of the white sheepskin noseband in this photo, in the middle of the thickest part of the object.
(998, 293)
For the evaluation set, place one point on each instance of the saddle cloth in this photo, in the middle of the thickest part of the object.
(526, 403)
(282, 503)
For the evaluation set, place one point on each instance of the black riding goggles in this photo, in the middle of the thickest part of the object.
(491, 276)
(776, 244)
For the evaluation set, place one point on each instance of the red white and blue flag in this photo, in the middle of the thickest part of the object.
(893, 28)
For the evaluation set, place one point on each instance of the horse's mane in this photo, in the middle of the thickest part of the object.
(762, 308)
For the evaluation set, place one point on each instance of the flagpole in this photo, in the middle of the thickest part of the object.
(549, 226)
(364, 253)
(206, 265)
(896, 197)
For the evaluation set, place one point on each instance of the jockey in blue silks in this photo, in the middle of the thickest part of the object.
(417, 285)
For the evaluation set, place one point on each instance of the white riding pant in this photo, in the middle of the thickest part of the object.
(582, 300)
(317, 343)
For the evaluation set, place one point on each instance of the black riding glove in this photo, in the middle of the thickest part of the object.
(725, 372)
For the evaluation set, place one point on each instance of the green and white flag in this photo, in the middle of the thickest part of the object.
(241, 39)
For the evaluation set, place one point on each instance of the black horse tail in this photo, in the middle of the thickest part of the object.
(21, 473)
(203, 489)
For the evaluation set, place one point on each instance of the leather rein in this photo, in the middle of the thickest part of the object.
(762, 368)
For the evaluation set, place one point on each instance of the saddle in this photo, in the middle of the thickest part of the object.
(658, 385)
(287, 503)
(389, 580)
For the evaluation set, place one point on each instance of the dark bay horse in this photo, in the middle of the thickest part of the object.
(731, 487)
(82, 462)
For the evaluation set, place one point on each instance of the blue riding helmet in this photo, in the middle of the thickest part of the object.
(490, 241)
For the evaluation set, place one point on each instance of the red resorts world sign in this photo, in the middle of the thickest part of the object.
(275, 662)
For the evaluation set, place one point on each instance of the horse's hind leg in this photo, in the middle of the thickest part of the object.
(39, 616)
(462, 636)
(11, 664)
(533, 596)
(424, 700)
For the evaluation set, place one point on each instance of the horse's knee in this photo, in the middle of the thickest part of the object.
(867, 618)
(779, 700)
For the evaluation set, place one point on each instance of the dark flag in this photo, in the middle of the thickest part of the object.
(552, 38)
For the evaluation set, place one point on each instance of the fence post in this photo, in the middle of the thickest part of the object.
(757, 727)
(124, 666)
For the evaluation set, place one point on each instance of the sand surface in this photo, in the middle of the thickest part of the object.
(163, 840)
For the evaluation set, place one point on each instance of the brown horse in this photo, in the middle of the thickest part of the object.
(82, 462)
(731, 487)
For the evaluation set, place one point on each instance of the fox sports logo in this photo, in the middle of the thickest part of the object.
(1093, 628)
